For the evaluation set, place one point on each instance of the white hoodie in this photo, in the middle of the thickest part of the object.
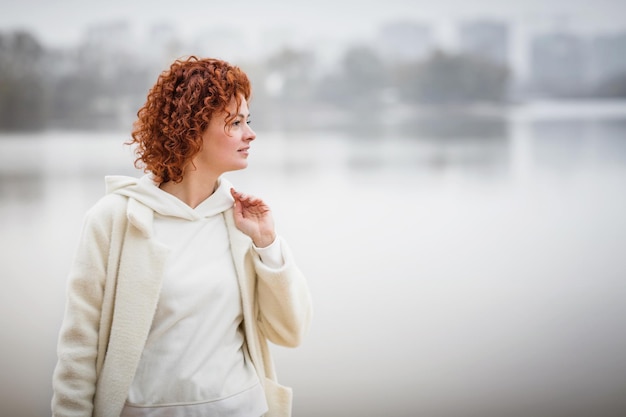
(194, 361)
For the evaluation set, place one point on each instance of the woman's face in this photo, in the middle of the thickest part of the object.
(226, 146)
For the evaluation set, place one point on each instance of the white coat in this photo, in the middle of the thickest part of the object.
(112, 294)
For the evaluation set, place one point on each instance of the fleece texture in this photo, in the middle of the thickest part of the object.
(112, 293)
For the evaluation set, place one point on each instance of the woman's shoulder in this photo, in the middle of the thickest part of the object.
(108, 208)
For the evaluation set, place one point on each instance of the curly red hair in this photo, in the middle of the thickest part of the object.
(169, 127)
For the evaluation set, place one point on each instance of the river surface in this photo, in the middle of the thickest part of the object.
(473, 269)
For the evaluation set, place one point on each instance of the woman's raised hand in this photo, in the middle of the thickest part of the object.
(254, 218)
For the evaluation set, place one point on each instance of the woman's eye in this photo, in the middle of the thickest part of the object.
(236, 123)
(248, 121)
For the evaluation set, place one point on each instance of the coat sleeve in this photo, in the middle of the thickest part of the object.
(74, 377)
(284, 301)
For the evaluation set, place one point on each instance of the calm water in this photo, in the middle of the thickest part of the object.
(470, 267)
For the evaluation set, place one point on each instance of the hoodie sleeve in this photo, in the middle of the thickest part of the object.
(285, 308)
(271, 255)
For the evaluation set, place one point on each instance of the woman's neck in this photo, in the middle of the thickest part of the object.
(195, 187)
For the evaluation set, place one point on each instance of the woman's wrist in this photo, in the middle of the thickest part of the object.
(264, 240)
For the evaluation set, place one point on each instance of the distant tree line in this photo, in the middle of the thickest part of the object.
(79, 88)
(23, 101)
(87, 87)
(365, 88)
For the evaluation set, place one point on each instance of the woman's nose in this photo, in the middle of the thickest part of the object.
(250, 134)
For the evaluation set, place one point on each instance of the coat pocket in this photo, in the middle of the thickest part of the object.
(279, 399)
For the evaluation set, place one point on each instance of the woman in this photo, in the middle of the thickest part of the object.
(179, 280)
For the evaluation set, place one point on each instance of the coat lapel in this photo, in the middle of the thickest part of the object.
(139, 284)
(240, 247)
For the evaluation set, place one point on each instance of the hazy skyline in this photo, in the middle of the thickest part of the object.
(63, 23)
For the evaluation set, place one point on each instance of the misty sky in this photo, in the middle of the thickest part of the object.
(63, 22)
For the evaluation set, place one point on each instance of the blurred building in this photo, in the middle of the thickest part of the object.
(559, 64)
(486, 39)
(607, 57)
(402, 41)
(223, 42)
(103, 41)
(161, 44)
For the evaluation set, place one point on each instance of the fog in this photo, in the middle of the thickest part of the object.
(457, 207)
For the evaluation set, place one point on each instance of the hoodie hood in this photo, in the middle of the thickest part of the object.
(145, 191)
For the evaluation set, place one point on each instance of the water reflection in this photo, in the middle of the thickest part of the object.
(430, 140)
(425, 145)
(458, 124)
(571, 145)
